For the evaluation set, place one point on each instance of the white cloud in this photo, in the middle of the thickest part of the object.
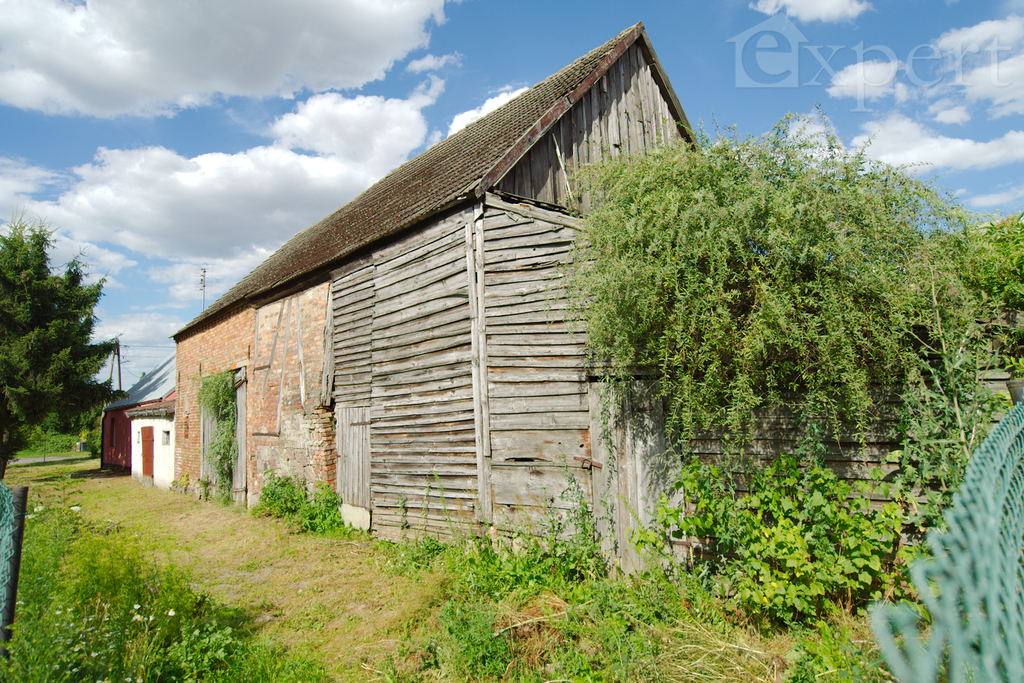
(110, 57)
(145, 341)
(360, 128)
(982, 36)
(230, 211)
(99, 262)
(900, 141)
(19, 181)
(987, 201)
(985, 62)
(949, 110)
(467, 117)
(957, 114)
(866, 80)
(433, 63)
(814, 10)
(1001, 83)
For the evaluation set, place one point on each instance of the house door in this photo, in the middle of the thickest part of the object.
(147, 451)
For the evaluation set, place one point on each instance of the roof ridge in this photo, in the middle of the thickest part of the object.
(457, 165)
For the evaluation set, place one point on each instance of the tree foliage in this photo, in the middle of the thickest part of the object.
(746, 272)
(1000, 261)
(48, 359)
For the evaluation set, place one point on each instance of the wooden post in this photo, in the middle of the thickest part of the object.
(481, 404)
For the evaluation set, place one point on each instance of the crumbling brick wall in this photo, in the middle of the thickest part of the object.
(222, 343)
(290, 431)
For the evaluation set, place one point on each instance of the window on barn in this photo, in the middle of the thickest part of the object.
(165, 438)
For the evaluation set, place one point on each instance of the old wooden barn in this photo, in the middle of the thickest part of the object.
(413, 349)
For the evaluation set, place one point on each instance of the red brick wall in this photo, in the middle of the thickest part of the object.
(289, 431)
(224, 343)
(281, 345)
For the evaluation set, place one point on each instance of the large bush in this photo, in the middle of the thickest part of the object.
(746, 271)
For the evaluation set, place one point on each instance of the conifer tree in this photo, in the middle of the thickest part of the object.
(48, 360)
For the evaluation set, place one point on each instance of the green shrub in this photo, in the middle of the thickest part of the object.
(285, 498)
(475, 649)
(281, 497)
(795, 545)
(217, 398)
(747, 270)
(320, 513)
(833, 652)
(999, 260)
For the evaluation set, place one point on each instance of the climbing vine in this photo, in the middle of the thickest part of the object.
(217, 398)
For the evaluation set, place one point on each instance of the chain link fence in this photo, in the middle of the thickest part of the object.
(972, 585)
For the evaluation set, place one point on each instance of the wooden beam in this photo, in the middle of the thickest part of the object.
(558, 218)
(327, 371)
(552, 115)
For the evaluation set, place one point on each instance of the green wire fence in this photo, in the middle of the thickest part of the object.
(972, 585)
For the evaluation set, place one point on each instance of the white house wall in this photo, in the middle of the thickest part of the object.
(163, 453)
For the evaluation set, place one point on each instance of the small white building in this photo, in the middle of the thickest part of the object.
(138, 430)
(153, 443)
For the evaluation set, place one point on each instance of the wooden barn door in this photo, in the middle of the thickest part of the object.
(353, 439)
(147, 451)
(351, 326)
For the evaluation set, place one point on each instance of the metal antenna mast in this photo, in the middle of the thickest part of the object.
(202, 284)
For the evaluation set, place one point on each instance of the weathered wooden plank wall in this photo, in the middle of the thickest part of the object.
(624, 112)
(537, 383)
(352, 315)
(403, 386)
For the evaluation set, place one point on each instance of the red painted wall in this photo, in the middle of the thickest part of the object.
(117, 439)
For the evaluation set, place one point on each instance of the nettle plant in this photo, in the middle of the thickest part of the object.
(217, 398)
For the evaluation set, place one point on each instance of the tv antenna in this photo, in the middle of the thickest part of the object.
(202, 284)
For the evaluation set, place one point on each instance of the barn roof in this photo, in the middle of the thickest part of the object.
(153, 386)
(468, 162)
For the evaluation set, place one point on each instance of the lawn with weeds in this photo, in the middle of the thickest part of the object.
(257, 598)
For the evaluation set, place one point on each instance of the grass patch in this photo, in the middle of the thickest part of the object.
(351, 608)
(94, 607)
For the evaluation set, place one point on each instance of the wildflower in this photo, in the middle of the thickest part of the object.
(170, 612)
(75, 508)
(138, 617)
(136, 606)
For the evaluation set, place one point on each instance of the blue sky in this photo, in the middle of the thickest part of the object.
(160, 138)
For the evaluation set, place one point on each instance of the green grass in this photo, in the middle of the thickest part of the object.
(346, 607)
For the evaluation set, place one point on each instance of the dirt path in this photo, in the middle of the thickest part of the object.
(333, 598)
